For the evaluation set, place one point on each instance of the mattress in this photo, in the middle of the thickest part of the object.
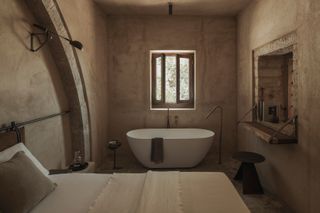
(169, 192)
(156, 192)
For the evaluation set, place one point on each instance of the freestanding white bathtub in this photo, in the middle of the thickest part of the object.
(182, 148)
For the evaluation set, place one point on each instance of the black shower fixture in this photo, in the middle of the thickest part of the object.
(48, 35)
(170, 8)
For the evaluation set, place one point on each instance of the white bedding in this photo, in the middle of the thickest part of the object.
(151, 192)
(75, 192)
(122, 194)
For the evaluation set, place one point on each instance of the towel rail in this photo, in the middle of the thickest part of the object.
(15, 126)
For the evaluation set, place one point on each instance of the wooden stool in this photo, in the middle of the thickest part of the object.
(248, 173)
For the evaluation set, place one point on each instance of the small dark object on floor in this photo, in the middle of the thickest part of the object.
(248, 173)
(78, 166)
(59, 171)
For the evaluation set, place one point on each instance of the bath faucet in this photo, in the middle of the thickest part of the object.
(221, 121)
(168, 118)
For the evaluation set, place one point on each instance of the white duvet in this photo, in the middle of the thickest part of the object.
(151, 192)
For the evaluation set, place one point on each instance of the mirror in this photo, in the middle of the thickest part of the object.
(275, 84)
(275, 87)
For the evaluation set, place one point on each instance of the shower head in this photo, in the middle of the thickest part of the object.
(76, 44)
(48, 33)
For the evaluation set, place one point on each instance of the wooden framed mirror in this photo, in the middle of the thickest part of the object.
(275, 87)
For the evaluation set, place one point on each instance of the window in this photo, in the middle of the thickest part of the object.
(172, 74)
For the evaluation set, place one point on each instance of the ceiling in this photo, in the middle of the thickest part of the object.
(180, 7)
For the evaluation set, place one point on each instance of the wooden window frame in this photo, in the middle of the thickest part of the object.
(184, 104)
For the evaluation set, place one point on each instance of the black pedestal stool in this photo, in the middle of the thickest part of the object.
(248, 173)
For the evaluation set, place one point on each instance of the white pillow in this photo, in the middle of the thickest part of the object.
(7, 154)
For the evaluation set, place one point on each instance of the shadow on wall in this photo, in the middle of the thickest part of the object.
(21, 29)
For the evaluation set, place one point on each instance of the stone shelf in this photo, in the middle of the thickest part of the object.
(265, 133)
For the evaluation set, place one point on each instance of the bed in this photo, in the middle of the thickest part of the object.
(150, 192)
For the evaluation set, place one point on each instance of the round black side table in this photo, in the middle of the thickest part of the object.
(114, 145)
(248, 173)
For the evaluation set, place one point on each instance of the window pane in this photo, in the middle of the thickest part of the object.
(184, 79)
(158, 78)
(171, 79)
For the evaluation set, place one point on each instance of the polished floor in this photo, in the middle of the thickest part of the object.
(265, 203)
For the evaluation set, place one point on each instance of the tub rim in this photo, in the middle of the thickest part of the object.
(212, 134)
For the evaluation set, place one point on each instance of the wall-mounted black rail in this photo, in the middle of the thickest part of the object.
(15, 126)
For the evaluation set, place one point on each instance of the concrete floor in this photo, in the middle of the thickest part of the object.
(265, 203)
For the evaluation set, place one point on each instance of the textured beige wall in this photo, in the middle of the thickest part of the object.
(130, 38)
(87, 23)
(290, 171)
(30, 87)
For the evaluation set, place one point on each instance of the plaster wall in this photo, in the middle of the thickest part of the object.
(90, 28)
(290, 171)
(30, 87)
(130, 38)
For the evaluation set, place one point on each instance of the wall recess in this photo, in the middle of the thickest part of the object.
(275, 90)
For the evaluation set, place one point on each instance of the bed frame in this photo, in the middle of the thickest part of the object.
(9, 138)
(13, 133)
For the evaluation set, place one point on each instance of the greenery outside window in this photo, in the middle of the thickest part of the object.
(172, 79)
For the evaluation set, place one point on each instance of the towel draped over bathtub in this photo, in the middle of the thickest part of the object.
(157, 150)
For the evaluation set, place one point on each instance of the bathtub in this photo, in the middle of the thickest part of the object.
(183, 148)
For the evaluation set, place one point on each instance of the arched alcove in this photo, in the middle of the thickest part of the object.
(47, 13)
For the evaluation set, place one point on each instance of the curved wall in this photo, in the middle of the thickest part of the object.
(90, 28)
(31, 87)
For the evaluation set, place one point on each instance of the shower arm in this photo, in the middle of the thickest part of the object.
(220, 132)
(48, 33)
(47, 30)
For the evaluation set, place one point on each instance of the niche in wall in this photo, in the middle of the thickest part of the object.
(275, 88)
